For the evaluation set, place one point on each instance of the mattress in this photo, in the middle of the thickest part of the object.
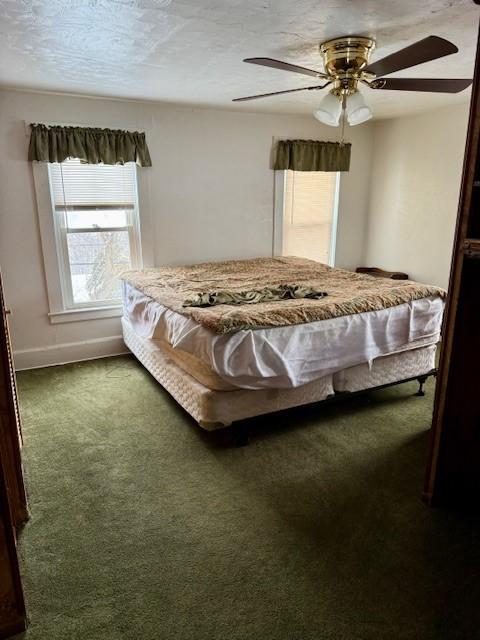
(286, 357)
(192, 365)
(214, 409)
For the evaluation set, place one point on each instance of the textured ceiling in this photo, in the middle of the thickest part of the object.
(191, 51)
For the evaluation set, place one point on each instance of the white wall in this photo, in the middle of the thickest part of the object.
(208, 196)
(415, 185)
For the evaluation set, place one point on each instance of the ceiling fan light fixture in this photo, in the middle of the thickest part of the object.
(357, 109)
(329, 110)
(346, 62)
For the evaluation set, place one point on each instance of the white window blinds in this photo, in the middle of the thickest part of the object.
(74, 184)
(309, 212)
(96, 224)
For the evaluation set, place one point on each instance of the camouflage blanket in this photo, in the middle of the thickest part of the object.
(347, 292)
(255, 296)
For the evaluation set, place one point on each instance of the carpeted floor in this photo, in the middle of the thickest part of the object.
(145, 528)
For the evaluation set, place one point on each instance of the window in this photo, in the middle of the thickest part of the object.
(96, 226)
(309, 214)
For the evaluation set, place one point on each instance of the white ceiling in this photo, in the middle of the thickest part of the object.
(191, 51)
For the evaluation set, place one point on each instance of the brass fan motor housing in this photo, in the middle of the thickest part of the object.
(344, 59)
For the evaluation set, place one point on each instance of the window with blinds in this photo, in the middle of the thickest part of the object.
(95, 209)
(309, 215)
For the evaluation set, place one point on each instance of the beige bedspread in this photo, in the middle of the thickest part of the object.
(348, 292)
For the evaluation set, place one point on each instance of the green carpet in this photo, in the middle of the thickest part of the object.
(144, 527)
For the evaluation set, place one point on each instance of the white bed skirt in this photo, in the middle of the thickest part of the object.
(214, 409)
(289, 356)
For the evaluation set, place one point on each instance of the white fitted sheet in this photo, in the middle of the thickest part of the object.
(291, 356)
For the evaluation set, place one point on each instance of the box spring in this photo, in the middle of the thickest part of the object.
(214, 409)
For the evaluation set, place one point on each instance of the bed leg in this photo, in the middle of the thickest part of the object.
(240, 435)
(421, 382)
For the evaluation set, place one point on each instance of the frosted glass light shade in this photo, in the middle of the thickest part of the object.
(329, 110)
(357, 109)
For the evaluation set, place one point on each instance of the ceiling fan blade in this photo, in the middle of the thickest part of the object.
(436, 85)
(285, 66)
(277, 93)
(424, 50)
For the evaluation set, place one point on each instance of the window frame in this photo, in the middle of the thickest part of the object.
(57, 311)
(279, 212)
(62, 231)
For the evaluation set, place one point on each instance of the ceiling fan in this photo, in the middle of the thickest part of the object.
(346, 64)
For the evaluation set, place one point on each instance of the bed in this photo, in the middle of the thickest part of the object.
(228, 362)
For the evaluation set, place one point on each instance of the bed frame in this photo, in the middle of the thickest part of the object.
(213, 409)
(241, 431)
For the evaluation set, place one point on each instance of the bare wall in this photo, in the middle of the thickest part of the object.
(415, 185)
(208, 196)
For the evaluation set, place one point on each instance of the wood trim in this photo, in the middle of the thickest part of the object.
(13, 504)
(12, 604)
(69, 352)
(438, 481)
(10, 432)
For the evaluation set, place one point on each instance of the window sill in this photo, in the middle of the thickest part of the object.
(90, 313)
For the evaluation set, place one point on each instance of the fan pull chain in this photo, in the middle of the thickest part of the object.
(344, 116)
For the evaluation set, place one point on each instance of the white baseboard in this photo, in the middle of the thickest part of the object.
(68, 352)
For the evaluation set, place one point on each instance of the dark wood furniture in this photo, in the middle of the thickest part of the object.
(13, 503)
(11, 436)
(453, 468)
(381, 273)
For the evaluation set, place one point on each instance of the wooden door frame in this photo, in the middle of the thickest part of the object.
(10, 433)
(13, 501)
(12, 605)
(437, 478)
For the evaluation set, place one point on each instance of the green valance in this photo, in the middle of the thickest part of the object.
(90, 145)
(312, 155)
